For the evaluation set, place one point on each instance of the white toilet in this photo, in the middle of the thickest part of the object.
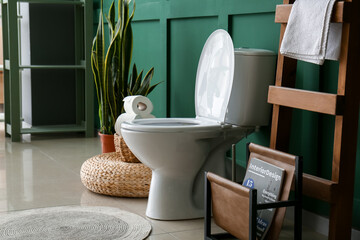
(229, 105)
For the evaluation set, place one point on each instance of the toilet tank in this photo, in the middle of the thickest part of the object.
(254, 72)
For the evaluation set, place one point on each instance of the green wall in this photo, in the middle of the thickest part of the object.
(170, 34)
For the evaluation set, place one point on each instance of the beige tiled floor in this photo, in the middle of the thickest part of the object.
(43, 171)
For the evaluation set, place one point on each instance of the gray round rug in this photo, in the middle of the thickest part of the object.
(73, 223)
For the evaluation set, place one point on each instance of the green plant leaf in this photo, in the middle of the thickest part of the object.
(137, 84)
(133, 77)
(110, 78)
(119, 28)
(95, 71)
(152, 88)
(146, 82)
(127, 44)
(98, 64)
(111, 20)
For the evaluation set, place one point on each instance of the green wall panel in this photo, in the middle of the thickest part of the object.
(304, 131)
(190, 8)
(187, 37)
(147, 53)
(256, 30)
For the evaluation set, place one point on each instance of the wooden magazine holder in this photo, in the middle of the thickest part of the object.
(234, 206)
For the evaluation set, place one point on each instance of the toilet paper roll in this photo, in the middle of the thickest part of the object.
(122, 118)
(138, 105)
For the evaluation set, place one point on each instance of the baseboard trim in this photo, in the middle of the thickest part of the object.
(319, 223)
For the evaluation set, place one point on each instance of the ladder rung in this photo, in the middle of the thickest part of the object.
(319, 188)
(340, 12)
(306, 100)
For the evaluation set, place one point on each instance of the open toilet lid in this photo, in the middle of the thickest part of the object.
(214, 77)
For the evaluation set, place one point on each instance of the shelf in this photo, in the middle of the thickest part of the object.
(51, 67)
(53, 129)
(81, 2)
(83, 82)
(81, 66)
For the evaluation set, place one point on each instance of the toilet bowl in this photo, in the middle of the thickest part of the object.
(175, 154)
(229, 105)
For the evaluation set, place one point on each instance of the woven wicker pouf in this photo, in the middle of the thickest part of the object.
(107, 174)
(124, 152)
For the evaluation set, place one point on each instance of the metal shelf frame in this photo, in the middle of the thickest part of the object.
(84, 102)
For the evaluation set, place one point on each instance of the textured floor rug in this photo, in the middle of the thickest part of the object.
(73, 223)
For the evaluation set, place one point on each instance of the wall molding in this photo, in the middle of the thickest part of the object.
(318, 223)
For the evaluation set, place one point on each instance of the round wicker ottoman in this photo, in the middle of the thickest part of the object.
(125, 153)
(107, 174)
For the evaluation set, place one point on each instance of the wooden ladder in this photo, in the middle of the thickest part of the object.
(339, 191)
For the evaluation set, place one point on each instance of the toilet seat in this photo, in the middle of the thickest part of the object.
(172, 125)
(214, 80)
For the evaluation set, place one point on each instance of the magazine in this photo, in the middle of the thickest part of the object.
(267, 179)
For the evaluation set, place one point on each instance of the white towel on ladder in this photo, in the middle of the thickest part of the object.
(309, 35)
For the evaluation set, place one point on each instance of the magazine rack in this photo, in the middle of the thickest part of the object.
(234, 206)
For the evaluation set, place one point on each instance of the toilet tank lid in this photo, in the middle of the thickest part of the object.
(254, 52)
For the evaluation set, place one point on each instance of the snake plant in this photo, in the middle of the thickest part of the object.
(111, 68)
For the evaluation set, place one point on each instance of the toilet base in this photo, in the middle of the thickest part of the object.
(170, 198)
